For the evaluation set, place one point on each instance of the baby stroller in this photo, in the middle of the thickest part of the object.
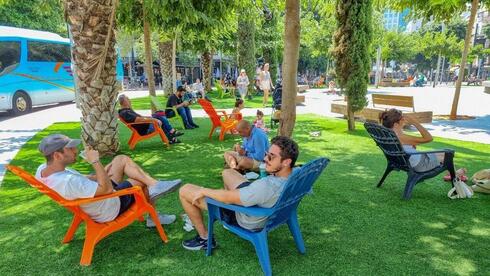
(276, 103)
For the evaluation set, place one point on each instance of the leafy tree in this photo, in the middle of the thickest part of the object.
(352, 41)
(398, 46)
(445, 10)
(246, 44)
(44, 15)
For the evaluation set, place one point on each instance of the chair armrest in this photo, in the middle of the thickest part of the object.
(251, 211)
(223, 113)
(128, 191)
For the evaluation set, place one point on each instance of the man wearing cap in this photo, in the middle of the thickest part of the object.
(252, 151)
(61, 151)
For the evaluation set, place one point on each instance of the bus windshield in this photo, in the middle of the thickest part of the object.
(9, 56)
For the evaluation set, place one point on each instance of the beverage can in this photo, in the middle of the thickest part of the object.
(263, 172)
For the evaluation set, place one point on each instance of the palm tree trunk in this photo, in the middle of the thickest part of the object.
(290, 67)
(165, 52)
(206, 70)
(174, 65)
(94, 54)
(148, 58)
(467, 41)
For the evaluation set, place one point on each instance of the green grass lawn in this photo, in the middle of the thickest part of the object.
(349, 226)
(218, 103)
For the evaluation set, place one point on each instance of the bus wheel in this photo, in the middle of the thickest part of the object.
(21, 103)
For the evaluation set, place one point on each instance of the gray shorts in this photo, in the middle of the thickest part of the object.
(427, 162)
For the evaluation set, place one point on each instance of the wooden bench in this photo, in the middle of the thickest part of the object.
(302, 88)
(381, 103)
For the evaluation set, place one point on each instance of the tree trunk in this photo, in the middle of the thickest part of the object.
(165, 52)
(436, 79)
(94, 40)
(148, 59)
(290, 67)
(206, 70)
(174, 65)
(467, 41)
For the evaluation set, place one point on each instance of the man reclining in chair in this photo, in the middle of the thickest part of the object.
(249, 155)
(129, 116)
(238, 190)
(61, 151)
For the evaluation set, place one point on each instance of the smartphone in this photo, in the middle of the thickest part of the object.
(82, 155)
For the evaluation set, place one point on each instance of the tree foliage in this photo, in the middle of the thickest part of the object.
(44, 15)
(351, 52)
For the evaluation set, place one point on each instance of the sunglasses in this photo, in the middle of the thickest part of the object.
(270, 156)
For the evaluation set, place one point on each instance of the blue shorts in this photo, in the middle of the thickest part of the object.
(126, 200)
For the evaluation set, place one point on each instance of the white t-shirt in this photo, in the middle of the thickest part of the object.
(71, 185)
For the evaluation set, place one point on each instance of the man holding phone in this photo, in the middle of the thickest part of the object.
(61, 151)
(176, 100)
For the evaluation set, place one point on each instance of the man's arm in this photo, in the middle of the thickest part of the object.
(105, 183)
(225, 196)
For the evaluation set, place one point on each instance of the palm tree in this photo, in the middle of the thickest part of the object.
(94, 60)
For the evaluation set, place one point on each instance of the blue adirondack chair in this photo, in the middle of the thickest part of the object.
(300, 183)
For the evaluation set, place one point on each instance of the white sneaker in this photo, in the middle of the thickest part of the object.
(162, 188)
(164, 219)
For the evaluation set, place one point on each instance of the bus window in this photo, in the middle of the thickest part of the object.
(51, 52)
(9, 56)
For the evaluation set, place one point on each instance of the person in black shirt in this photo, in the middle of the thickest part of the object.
(176, 100)
(130, 116)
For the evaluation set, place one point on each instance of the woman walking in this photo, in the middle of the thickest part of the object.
(242, 84)
(265, 83)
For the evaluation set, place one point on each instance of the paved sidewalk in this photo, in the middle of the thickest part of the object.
(16, 131)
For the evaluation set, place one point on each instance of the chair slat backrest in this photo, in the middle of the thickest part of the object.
(42, 188)
(389, 143)
(208, 107)
(299, 183)
(32, 181)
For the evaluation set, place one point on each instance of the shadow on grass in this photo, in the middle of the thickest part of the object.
(349, 226)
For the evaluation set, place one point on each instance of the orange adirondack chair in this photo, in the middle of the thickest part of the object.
(94, 232)
(222, 121)
(136, 137)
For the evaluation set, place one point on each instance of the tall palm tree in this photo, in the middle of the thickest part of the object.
(94, 59)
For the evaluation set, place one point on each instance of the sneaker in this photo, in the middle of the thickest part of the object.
(177, 133)
(164, 219)
(197, 243)
(162, 188)
(195, 126)
(174, 141)
(189, 127)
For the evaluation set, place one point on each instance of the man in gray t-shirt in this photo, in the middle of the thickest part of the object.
(237, 190)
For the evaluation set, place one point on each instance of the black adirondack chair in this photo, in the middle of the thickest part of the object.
(397, 158)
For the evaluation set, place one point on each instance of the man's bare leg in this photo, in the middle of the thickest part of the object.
(122, 165)
(186, 195)
(144, 188)
(230, 159)
(232, 178)
(245, 164)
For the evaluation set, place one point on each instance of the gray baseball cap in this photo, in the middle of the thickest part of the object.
(54, 142)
